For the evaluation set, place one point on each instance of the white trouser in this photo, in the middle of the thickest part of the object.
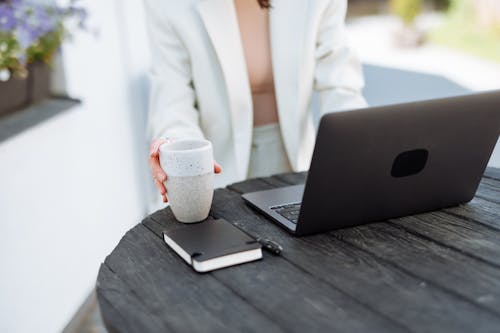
(268, 155)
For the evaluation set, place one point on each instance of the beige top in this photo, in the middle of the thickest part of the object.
(255, 35)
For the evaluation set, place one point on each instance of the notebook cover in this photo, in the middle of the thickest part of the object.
(212, 239)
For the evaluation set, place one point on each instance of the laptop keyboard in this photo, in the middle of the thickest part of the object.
(289, 211)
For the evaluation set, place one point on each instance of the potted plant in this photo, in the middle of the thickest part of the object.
(30, 36)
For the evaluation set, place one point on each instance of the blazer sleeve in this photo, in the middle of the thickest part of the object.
(172, 106)
(338, 73)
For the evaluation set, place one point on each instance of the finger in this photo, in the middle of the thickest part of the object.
(217, 167)
(161, 187)
(156, 169)
(155, 147)
(165, 199)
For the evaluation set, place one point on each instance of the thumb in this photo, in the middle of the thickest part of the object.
(217, 167)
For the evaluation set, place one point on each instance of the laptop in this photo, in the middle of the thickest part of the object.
(385, 162)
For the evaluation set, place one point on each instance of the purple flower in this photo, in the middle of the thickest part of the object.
(27, 21)
(25, 37)
(37, 19)
(39, 22)
(7, 19)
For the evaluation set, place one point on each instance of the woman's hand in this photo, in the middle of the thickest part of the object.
(159, 175)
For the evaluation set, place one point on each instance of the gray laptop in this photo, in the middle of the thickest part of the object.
(391, 161)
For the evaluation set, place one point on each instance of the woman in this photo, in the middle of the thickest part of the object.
(241, 73)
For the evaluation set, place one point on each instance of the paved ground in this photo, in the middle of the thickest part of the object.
(94, 323)
(373, 39)
(88, 319)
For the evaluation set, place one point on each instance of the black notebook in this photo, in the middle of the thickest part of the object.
(213, 244)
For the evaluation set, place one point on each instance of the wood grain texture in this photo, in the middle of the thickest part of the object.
(471, 238)
(489, 189)
(180, 299)
(453, 271)
(245, 186)
(493, 173)
(434, 272)
(296, 300)
(265, 183)
(116, 298)
(413, 303)
(479, 211)
(292, 178)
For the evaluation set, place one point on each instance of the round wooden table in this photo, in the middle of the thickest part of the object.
(434, 272)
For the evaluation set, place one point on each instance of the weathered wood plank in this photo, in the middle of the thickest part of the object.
(264, 183)
(184, 300)
(115, 301)
(246, 186)
(453, 271)
(478, 210)
(274, 182)
(414, 303)
(489, 189)
(468, 237)
(292, 178)
(297, 301)
(335, 281)
(300, 302)
(494, 183)
(493, 173)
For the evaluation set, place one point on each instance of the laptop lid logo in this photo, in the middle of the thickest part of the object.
(409, 163)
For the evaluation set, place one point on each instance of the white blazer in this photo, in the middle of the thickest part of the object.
(200, 85)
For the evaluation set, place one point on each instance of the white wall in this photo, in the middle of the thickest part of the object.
(71, 187)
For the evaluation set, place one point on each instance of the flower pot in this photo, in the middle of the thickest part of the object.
(17, 93)
(13, 94)
(38, 82)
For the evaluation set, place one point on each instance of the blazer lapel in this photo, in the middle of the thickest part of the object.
(287, 26)
(221, 24)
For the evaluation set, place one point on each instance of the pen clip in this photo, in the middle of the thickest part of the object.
(270, 246)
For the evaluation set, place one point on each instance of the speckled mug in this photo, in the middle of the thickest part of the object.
(189, 165)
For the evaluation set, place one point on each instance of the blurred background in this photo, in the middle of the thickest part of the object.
(73, 148)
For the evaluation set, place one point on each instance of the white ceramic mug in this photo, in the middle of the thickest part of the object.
(189, 165)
